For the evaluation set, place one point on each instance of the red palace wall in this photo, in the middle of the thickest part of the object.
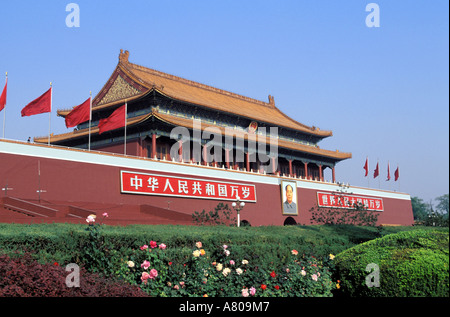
(75, 177)
(133, 148)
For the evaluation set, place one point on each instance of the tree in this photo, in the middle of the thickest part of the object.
(439, 217)
(442, 205)
(426, 214)
(420, 209)
(429, 215)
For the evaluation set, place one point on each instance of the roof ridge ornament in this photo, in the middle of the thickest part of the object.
(271, 100)
(123, 56)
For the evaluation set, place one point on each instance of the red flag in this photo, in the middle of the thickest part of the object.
(79, 114)
(396, 174)
(41, 104)
(388, 174)
(114, 121)
(3, 97)
(376, 172)
(366, 167)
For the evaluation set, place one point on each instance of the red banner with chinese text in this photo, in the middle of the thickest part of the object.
(347, 201)
(153, 184)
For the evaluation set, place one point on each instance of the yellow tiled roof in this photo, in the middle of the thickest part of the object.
(199, 94)
(217, 99)
(143, 80)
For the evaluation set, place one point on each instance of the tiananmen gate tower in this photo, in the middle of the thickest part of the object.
(182, 146)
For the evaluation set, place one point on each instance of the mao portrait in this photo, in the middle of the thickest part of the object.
(289, 198)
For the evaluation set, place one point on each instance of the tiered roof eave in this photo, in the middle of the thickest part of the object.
(189, 123)
(130, 82)
(187, 91)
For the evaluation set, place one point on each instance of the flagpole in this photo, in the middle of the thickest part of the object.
(125, 143)
(368, 176)
(389, 176)
(379, 183)
(90, 119)
(39, 180)
(50, 114)
(4, 109)
(389, 172)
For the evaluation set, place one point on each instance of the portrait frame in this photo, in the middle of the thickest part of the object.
(253, 126)
(286, 208)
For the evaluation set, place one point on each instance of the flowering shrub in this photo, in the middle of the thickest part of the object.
(95, 257)
(303, 276)
(147, 267)
(201, 274)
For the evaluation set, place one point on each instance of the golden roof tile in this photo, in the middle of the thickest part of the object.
(144, 80)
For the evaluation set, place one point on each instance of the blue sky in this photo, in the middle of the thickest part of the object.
(383, 91)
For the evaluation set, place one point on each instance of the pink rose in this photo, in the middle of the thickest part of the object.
(198, 244)
(90, 219)
(153, 273)
(145, 276)
(314, 277)
(105, 214)
(144, 247)
(145, 265)
(153, 244)
(162, 246)
(245, 292)
(252, 291)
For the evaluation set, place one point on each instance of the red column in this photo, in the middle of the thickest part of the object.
(274, 168)
(247, 157)
(320, 173)
(290, 168)
(204, 155)
(227, 158)
(153, 145)
(306, 170)
(333, 176)
(139, 147)
(180, 150)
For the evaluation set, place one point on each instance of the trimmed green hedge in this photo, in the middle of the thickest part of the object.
(266, 247)
(65, 243)
(413, 263)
